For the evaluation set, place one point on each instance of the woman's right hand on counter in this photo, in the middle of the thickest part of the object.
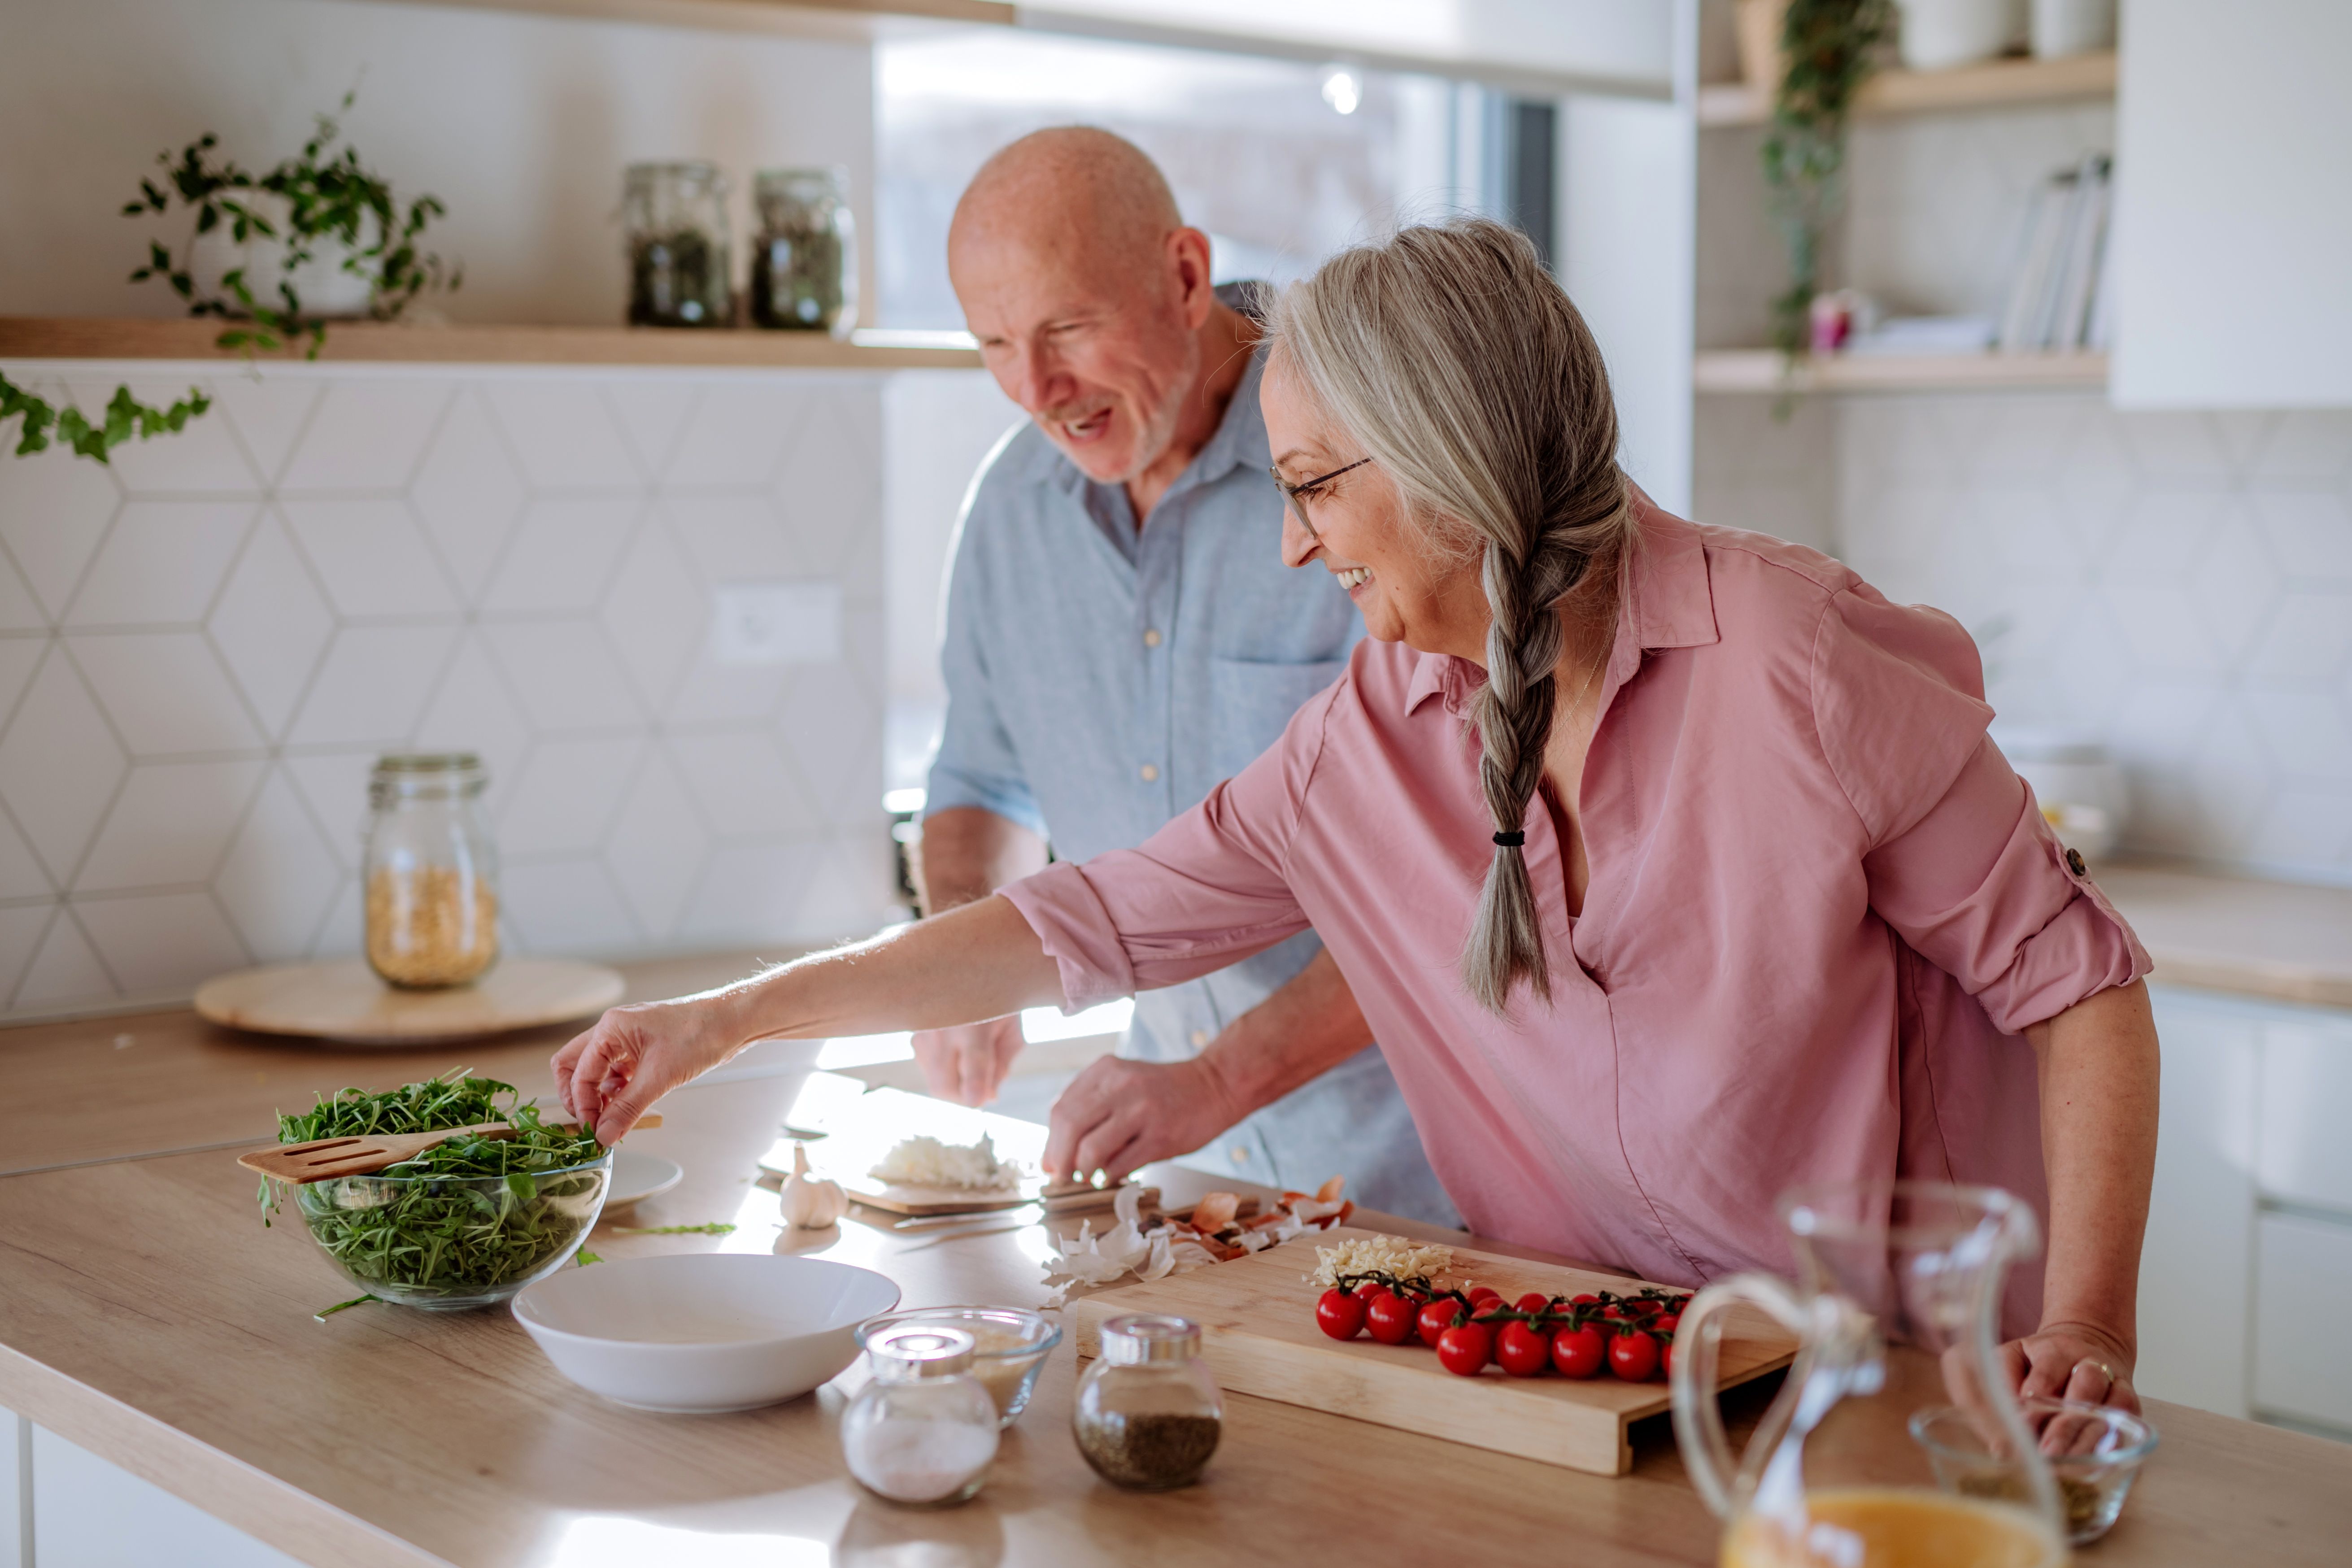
(968, 1063)
(612, 1073)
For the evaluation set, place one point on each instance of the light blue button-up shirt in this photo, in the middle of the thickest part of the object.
(1101, 678)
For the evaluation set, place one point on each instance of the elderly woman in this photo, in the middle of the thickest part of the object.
(1672, 866)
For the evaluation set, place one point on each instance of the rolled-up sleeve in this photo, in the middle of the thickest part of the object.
(1982, 888)
(1208, 890)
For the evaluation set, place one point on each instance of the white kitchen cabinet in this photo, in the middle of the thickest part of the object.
(86, 1512)
(2302, 1290)
(2233, 204)
(16, 1488)
(2246, 1274)
(2306, 1089)
(2197, 1265)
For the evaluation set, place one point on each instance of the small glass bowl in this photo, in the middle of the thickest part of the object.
(1009, 1345)
(2100, 1451)
(447, 1243)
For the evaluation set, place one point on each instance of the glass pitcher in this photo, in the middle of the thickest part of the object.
(1898, 1312)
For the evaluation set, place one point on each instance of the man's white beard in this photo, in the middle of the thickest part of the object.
(1158, 433)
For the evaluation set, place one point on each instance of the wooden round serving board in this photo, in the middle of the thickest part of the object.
(344, 1001)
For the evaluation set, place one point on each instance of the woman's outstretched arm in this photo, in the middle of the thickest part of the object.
(981, 961)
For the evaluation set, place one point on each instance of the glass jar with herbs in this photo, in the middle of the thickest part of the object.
(677, 219)
(805, 263)
(1149, 1415)
(430, 874)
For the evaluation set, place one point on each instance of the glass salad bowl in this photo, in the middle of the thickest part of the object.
(449, 1242)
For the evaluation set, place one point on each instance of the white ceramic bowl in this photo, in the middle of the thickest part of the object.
(696, 1332)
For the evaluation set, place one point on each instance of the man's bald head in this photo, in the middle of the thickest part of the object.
(1072, 186)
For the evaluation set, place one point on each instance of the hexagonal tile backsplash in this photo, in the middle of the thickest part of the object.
(203, 650)
(2178, 586)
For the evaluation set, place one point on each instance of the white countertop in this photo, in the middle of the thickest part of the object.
(2280, 941)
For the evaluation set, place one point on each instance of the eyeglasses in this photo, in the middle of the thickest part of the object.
(1297, 494)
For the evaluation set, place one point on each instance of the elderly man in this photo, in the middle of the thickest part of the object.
(1121, 635)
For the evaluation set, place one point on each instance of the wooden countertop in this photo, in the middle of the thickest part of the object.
(150, 1083)
(2280, 941)
(145, 1314)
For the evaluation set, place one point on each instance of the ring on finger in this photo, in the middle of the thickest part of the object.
(2108, 1372)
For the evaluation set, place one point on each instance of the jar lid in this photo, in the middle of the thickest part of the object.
(836, 175)
(918, 1350)
(428, 763)
(1140, 1338)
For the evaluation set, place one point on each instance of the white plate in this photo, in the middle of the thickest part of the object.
(637, 1177)
(703, 1331)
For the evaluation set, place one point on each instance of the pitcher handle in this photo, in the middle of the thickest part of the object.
(1705, 1447)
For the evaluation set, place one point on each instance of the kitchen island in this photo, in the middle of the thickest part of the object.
(147, 1316)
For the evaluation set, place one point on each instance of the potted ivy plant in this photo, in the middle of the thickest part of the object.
(1828, 48)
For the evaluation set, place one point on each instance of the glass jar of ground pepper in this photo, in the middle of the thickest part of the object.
(1149, 1415)
(805, 263)
(676, 214)
(430, 874)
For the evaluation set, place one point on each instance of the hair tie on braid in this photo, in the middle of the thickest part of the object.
(1510, 841)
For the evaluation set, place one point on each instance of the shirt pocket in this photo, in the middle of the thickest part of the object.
(1253, 699)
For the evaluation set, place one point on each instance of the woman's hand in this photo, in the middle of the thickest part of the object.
(2072, 1361)
(611, 1075)
(968, 1063)
(1117, 1115)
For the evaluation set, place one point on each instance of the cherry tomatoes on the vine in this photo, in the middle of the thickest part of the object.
(1465, 1348)
(1668, 1324)
(1483, 1293)
(1369, 1288)
(1388, 1316)
(1522, 1350)
(1533, 1301)
(1634, 1357)
(1578, 1352)
(1339, 1314)
(1435, 1317)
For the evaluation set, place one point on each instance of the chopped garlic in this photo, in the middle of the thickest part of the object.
(927, 1163)
(1391, 1255)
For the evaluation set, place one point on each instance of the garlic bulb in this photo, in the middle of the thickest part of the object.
(811, 1204)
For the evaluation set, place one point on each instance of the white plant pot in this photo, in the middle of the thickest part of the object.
(327, 290)
(2079, 787)
(1937, 34)
(2062, 27)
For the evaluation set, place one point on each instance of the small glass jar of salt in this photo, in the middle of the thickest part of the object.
(924, 1431)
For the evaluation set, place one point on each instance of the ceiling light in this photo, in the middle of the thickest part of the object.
(1342, 90)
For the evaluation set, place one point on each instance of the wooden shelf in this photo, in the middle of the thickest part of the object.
(376, 343)
(1760, 371)
(1994, 85)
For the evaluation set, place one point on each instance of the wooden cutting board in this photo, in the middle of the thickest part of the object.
(344, 1001)
(1258, 1334)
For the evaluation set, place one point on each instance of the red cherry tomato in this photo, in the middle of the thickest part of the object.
(1668, 1324)
(1615, 1312)
(1435, 1317)
(1388, 1318)
(1578, 1352)
(1523, 1350)
(1369, 1288)
(1666, 1359)
(1339, 1315)
(1634, 1357)
(1483, 1293)
(1465, 1348)
(1584, 1301)
(1533, 1301)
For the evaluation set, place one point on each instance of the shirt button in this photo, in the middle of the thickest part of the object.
(1200, 1038)
(2075, 863)
(1149, 772)
(1239, 1153)
(1151, 636)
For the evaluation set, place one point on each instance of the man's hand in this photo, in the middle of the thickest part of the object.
(968, 1063)
(1117, 1115)
(612, 1074)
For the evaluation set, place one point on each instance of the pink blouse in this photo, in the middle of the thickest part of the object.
(1820, 910)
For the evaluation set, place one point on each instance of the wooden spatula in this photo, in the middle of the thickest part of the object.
(362, 1156)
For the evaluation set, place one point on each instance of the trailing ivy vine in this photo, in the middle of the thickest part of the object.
(124, 417)
(1828, 49)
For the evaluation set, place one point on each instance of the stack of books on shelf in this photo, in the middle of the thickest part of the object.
(2058, 299)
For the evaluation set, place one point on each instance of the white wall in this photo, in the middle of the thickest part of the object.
(521, 124)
